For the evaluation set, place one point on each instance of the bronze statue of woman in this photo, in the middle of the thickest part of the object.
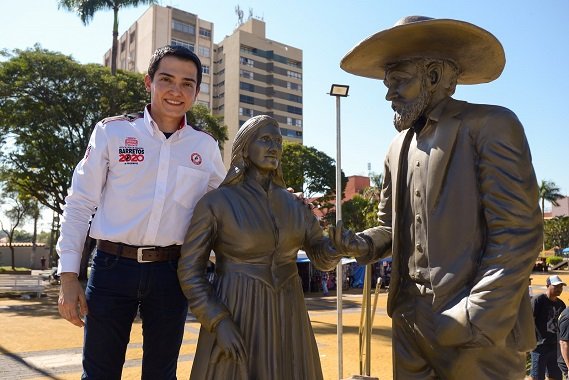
(254, 320)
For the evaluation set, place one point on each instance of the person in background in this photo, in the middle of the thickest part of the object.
(143, 174)
(547, 308)
(563, 336)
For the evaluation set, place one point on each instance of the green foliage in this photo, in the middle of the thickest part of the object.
(49, 105)
(553, 260)
(359, 213)
(201, 117)
(310, 170)
(21, 236)
(556, 231)
(548, 191)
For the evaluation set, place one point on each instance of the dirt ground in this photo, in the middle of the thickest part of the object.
(33, 325)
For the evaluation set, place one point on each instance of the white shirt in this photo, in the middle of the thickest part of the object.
(142, 186)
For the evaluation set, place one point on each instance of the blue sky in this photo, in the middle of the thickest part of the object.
(535, 81)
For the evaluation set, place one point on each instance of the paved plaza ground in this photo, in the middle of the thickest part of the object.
(35, 343)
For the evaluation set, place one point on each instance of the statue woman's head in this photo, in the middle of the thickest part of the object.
(258, 145)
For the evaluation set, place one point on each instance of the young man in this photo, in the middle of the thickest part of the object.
(547, 308)
(141, 176)
(459, 207)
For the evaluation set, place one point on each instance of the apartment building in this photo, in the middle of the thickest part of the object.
(159, 26)
(244, 75)
(254, 75)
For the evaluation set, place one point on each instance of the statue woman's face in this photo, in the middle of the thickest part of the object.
(266, 148)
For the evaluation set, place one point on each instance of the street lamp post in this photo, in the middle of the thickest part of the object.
(339, 91)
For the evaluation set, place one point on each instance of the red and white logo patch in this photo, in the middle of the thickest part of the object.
(196, 158)
(131, 141)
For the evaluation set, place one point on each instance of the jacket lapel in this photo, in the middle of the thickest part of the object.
(439, 157)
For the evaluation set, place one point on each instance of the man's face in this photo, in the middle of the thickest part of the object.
(555, 290)
(407, 93)
(173, 89)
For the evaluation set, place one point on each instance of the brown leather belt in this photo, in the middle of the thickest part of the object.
(144, 254)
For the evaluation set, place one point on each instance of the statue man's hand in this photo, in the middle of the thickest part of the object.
(229, 342)
(347, 242)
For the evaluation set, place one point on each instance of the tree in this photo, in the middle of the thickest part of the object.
(556, 232)
(548, 191)
(86, 9)
(200, 116)
(359, 213)
(309, 170)
(49, 105)
(18, 210)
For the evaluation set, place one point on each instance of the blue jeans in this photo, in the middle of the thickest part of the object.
(544, 361)
(117, 289)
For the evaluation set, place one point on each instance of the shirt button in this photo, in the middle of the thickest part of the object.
(417, 193)
(419, 247)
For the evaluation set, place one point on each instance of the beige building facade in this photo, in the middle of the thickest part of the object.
(244, 75)
(255, 75)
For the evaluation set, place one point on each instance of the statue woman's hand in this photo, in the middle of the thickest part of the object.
(347, 242)
(229, 342)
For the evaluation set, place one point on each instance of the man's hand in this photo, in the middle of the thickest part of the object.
(300, 197)
(347, 242)
(71, 295)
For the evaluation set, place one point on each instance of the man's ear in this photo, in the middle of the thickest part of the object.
(434, 74)
(147, 82)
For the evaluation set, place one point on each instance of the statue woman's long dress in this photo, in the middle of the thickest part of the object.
(256, 234)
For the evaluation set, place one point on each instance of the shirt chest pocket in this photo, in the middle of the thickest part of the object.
(191, 185)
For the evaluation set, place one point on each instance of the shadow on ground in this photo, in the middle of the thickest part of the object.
(31, 367)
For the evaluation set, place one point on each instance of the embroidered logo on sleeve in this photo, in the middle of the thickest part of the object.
(88, 152)
(196, 158)
(131, 153)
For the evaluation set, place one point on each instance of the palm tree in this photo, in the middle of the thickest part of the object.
(86, 9)
(548, 191)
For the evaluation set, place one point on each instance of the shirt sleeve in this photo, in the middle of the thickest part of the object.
(82, 200)
(218, 173)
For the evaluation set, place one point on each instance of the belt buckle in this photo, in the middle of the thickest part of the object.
(139, 254)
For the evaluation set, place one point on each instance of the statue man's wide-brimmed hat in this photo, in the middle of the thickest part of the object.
(478, 53)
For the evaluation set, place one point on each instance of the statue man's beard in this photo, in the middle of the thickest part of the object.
(406, 115)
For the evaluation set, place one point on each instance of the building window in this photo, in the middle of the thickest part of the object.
(203, 51)
(293, 121)
(206, 33)
(204, 88)
(295, 110)
(246, 61)
(131, 38)
(183, 27)
(293, 74)
(294, 86)
(246, 112)
(294, 98)
(246, 99)
(246, 74)
(205, 69)
(247, 86)
(187, 45)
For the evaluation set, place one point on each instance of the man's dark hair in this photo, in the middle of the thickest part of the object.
(177, 51)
